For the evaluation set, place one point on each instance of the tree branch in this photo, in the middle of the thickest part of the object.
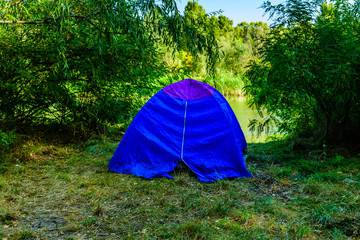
(22, 22)
(46, 21)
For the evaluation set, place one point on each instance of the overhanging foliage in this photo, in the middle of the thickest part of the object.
(86, 63)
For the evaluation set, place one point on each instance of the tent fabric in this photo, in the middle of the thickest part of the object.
(187, 121)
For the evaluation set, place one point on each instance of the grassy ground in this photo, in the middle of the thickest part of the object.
(65, 191)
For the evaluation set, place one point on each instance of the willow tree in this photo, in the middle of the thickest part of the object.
(84, 63)
(309, 75)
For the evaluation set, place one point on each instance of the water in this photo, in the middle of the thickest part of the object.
(244, 114)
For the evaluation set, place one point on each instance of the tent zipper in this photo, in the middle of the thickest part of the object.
(182, 144)
(183, 138)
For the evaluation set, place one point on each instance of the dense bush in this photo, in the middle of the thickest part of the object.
(85, 64)
(308, 77)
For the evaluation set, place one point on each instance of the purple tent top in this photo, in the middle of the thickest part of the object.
(189, 89)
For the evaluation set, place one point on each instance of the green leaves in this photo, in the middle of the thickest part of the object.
(309, 69)
(81, 63)
(6, 140)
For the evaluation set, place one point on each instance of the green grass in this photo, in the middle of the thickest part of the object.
(66, 192)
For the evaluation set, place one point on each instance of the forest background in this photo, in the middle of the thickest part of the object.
(66, 63)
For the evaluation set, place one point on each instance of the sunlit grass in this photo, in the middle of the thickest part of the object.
(65, 191)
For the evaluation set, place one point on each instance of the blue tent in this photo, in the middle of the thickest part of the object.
(187, 121)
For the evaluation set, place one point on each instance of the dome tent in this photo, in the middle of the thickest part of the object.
(186, 121)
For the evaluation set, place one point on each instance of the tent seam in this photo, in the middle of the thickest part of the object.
(183, 142)
(183, 138)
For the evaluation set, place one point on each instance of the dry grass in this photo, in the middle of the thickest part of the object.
(54, 191)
